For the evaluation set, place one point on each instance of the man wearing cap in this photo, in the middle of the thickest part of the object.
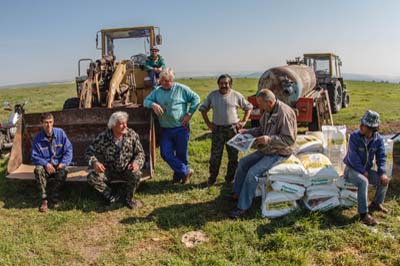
(154, 65)
(366, 144)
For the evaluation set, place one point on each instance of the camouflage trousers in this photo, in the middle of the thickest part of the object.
(220, 137)
(101, 181)
(50, 184)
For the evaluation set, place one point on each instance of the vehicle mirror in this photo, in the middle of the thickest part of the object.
(158, 39)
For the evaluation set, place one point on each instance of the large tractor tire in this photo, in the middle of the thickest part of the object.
(345, 100)
(71, 103)
(335, 98)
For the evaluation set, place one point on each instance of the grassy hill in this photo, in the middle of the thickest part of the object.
(84, 232)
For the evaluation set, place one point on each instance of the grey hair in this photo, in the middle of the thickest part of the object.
(117, 117)
(266, 95)
(167, 73)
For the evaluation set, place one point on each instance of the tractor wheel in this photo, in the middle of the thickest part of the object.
(71, 103)
(346, 100)
(335, 98)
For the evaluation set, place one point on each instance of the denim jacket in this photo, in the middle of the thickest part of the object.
(59, 151)
(361, 153)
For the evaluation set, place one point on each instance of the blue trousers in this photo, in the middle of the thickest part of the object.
(153, 77)
(362, 182)
(249, 168)
(174, 149)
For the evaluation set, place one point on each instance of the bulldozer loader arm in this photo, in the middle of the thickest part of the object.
(121, 73)
(81, 127)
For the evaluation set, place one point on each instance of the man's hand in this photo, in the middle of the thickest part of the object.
(263, 140)
(242, 131)
(185, 120)
(240, 125)
(99, 167)
(61, 166)
(157, 109)
(50, 168)
(384, 180)
(134, 167)
(157, 69)
(211, 126)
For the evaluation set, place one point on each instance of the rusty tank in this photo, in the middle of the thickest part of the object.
(289, 83)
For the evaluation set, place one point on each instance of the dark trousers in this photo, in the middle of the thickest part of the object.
(50, 184)
(101, 181)
(220, 137)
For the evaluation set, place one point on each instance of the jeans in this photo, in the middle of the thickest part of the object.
(174, 149)
(153, 77)
(251, 166)
(362, 182)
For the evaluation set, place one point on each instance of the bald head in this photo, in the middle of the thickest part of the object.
(266, 100)
(266, 95)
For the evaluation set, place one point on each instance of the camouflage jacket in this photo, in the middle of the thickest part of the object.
(104, 150)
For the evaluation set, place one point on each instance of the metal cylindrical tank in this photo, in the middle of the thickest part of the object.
(289, 82)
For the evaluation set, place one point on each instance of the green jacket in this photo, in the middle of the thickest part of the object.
(158, 62)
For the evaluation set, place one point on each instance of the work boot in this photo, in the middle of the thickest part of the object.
(43, 207)
(377, 207)
(187, 177)
(133, 204)
(110, 197)
(367, 219)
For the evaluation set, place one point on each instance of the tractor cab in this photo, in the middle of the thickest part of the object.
(327, 68)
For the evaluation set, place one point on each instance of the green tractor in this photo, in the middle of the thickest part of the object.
(327, 71)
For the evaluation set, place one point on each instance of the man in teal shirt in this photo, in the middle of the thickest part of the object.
(154, 65)
(170, 102)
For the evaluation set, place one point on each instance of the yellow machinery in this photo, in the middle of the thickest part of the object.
(108, 85)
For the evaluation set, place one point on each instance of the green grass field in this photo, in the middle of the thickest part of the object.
(84, 232)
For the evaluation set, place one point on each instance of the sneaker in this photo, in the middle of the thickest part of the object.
(369, 220)
(134, 204)
(187, 177)
(43, 207)
(377, 207)
(175, 181)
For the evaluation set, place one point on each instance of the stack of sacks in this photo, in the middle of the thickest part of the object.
(276, 204)
(389, 155)
(289, 171)
(308, 143)
(335, 145)
(284, 186)
(321, 193)
(321, 197)
(348, 192)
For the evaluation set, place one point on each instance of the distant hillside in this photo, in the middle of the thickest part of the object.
(204, 74)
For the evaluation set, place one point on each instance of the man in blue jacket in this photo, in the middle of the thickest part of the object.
(51, 154)
(174, 104)
(366, 144)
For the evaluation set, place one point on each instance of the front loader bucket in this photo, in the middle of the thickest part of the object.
(81, 127)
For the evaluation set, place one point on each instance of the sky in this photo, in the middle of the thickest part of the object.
(42, 40)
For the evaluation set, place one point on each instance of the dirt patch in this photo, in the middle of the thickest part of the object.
(92, 241)
(152, 247)
(385, 128)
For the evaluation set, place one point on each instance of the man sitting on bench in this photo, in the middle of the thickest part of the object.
(51, 154)
(116, 155)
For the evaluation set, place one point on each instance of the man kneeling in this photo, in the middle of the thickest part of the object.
(116, 154)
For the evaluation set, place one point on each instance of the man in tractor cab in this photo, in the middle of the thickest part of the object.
(116, 154)
(366, 144)
(154, 65)
(51, 154)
